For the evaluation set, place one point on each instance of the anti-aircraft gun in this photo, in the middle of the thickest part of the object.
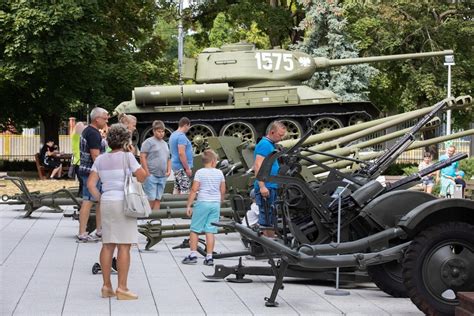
(377, 227)
(239, 91)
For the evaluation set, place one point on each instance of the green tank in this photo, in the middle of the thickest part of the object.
(239, 90)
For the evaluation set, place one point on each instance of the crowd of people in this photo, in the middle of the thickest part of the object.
(104, 155)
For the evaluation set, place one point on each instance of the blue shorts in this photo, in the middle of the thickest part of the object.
(154, 187)
(205, 213)
(265, 218)
(86, 195)
(428, 181)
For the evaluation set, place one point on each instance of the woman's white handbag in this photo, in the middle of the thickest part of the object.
(136, 202)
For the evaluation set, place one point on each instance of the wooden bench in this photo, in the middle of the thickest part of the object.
(469, 191)
(43, 172)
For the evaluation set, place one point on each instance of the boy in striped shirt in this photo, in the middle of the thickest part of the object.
(210, 183)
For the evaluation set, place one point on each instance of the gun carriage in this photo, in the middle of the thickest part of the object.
(395, 234)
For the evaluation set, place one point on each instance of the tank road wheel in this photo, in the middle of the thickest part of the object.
(148, 132)
(388, 277)
(358, 118)
(135, 137)
(243, 130)
(439, 263)
(293, 129)
(198, 135)
(326, 124)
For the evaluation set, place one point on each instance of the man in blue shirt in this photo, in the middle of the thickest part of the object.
(448, 174)
(266, 192)
(181, 151)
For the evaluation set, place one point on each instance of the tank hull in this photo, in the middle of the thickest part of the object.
(243, 119)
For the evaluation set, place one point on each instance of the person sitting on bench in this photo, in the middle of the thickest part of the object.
(49, 158)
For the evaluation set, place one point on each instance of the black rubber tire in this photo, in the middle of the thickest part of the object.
(114, 264)
(96, 268)
(440, 256)
(388, 277)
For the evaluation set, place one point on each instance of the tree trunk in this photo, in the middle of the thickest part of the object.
(51, 128)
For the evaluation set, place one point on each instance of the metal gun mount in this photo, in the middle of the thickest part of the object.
(377, 223)
(35, 200)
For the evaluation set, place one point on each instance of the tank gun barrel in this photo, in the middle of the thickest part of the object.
(322, 62)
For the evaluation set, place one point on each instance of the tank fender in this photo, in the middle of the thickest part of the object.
(436, 211)
(387, 209)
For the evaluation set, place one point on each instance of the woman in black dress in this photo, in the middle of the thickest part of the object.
(49, 158)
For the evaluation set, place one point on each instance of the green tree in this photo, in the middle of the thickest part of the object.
(71, 53)
(224, 32)
(420, 27)
(274, 19)
(326, 36)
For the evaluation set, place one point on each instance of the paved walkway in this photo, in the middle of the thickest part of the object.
(43, 271)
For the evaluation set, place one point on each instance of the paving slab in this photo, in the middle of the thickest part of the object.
(43, 271)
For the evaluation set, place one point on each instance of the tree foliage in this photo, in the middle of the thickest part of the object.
(73, 52)
(250, 19)
(326, 36)
(420, 27)
(58, 56)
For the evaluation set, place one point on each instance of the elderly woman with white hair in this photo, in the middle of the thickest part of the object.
(118, 230)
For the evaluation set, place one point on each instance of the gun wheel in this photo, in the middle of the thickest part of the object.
(388, 277)
(326, 124)
(293, 128)
(198, 135)
(439, 263)
(148, 132)
(243, 130)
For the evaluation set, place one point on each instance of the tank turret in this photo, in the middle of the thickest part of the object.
(274, 67)
(239, 90)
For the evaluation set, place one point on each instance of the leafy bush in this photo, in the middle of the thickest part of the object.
(398, 169)
(467, 165)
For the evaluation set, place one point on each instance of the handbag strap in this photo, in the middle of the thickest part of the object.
(126, 161)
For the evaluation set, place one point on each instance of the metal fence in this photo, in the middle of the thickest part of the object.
(24, 147)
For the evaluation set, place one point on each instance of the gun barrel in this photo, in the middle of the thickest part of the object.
(417, 144)
(334, 138)
(322, 62)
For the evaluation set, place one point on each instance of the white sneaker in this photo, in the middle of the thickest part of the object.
(86, 238)
(98, 232)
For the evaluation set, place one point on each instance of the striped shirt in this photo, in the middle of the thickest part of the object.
(210, 180)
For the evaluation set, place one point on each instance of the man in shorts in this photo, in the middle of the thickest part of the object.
(90, 147)
(266, 192)
(181, 157)
(155, 160)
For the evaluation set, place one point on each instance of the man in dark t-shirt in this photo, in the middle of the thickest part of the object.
(90, 147)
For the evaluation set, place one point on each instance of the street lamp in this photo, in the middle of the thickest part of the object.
(449, 61)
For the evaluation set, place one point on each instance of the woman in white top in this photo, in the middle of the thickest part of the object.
(118, 230)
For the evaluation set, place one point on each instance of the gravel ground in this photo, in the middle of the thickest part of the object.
(7, 187)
